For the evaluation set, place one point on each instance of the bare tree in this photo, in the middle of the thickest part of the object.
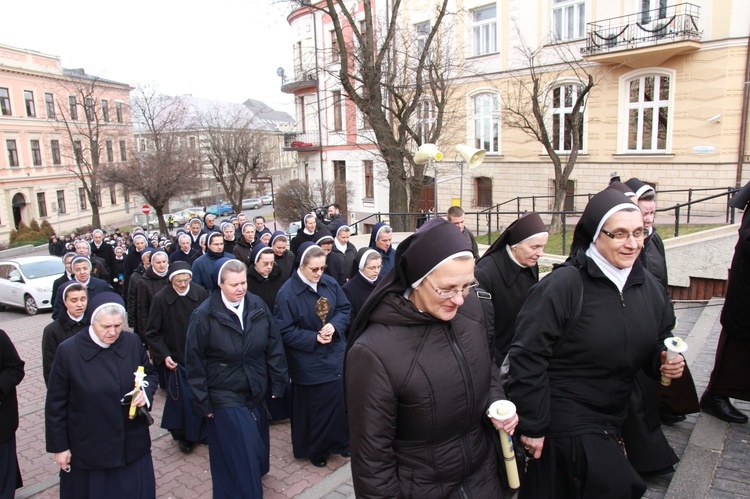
(550, 80)
(295, 198)
(166, 166)
(88, 124)
(390, 72)
(236, 146)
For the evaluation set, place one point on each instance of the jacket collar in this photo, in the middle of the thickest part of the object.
(88, 349)
(299, 287)
(510, 270)
(637, 274)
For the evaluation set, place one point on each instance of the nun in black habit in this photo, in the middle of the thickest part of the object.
(365, 277)
(588, 328)
(731, 374)
(507, 270)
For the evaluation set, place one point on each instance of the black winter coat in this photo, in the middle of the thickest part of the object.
(736, 309)
(130, 299)
(146, 287)
(583, 384)
(265, 288)
(55, 333)
(417, 390)
(107, 253)
(243, 251)
(11, 374)
(654, 259)
(229, 365)
(168, 322)
(357, 290)
(83, 412)
(509, 285)
(286, 262)
(59, 282)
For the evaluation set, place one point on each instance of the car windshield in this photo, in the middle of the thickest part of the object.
(35, 270)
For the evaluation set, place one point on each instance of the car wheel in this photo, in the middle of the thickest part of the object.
(255, 207)
(29, 304)
(224, 213)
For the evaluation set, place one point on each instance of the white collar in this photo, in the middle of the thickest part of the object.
(513, 258)
(76, 319)
(186, 292)
(96, 339)
(313, 285)
(237, 308)
(617, 276)
(341, 247)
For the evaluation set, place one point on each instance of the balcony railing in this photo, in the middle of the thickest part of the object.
(301, 141)
(305, 76)
(663, 25)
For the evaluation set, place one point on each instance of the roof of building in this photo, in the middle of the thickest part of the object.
(81, 73)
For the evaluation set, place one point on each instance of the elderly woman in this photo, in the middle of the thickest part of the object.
(133, 259)
(283, 257)
(100, 450)
(154, 280)
(345, 251)
(380, 240)
(312, 313)
(419, 378)
(67, 324)
(227, 230)
(582, 335)
(243, 249)
(507, 270)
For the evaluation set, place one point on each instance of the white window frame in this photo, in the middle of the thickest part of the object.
(426, 118)
(562, 111)
(421, 36)
(625, 106)
(568, 20)
(484, 32)
(490, 118)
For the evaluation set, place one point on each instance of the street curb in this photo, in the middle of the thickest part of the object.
(328, 484)
(706, 444)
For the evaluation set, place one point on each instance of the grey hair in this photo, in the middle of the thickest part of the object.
(110, 309)
(235, 266)
(312, 252)
(100, 231)
(386, 229)
(181, 236)
(372, 256)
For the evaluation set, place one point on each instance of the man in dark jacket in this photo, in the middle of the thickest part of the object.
(731, 374)
(232, 345)
(457, 217)
(54, 246)
(335, 218)
(168, 322)
(81, 267)
(11, 374)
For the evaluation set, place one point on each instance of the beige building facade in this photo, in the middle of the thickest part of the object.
(37, 96)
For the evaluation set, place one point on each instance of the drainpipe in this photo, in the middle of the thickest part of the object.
(743, 117)
(317, 96)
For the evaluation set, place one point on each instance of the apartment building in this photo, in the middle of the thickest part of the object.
(38, 98)
(667, 104)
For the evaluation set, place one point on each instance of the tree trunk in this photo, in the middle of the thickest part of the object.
(160, 218)
(561, 189)
(398, 200)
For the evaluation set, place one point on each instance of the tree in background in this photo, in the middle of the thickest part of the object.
(295, 198)
(165, 165)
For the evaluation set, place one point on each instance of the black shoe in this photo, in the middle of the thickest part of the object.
(346, 454)
(186, 447)
(721, 408)
(669, 417)
(318, 462)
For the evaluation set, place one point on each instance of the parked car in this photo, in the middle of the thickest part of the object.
(154, 222)
(26, 282)
(183, 216)
(291, 231)
(267, 199)
(251, 203)
(222, 209)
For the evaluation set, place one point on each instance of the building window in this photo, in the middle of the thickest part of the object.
(61, 202)
(123, 151)
(55, 146)
(41, 202)
(337, 118)
(568, 19)
(570, 192)
(369, 179)
(105, 110)
(426, 118)
(28, 97)
(89, 107)
(36, 153)
(5, 102)
(110, 151)
(118, 111)
(98, 196)
(483, 191)
(113, 194)
(191, 142)
(487, 122)
(563, 99)
(652, 10)
(82, 198)
(78, 151)
(485, 30)
(335, 53)
(125, 195)
(648, 113)
(423, 32)
(49, 100)
(12, 152)
(73, 107)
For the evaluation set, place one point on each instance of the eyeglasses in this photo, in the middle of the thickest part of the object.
(446, 294)
(623, 236)
(315, 270)
(182, 282)
(373, 268)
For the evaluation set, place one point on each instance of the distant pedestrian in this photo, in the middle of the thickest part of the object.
(457, 217)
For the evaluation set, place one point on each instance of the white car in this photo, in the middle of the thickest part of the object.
(26, 281)
(251, 203)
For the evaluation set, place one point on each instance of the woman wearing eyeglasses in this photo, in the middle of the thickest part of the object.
(312, 313)
(419, 377)
(581, 337)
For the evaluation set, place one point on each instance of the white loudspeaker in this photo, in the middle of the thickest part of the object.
(472, 157)
(427, 152)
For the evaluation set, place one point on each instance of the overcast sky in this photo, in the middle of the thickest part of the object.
(218, 49)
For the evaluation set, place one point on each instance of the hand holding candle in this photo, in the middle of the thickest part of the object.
(503, 410)
(140, 375)
(675, 346)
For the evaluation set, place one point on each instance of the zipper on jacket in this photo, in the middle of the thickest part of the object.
(622, 299)
(464, 367)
